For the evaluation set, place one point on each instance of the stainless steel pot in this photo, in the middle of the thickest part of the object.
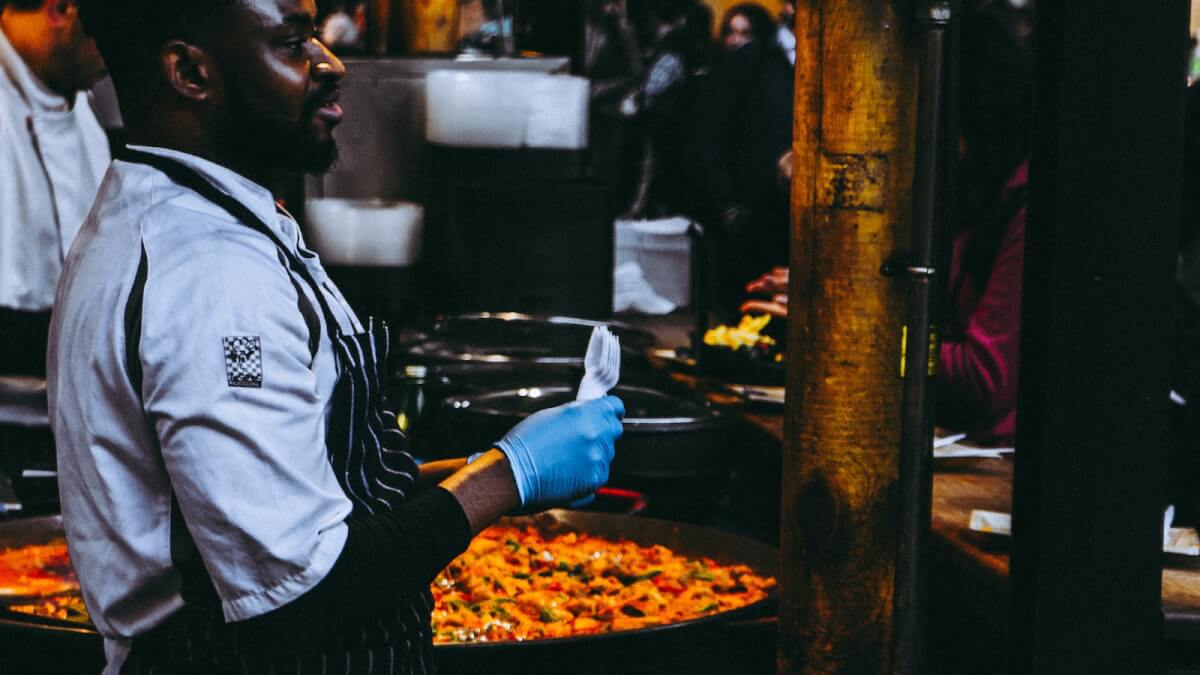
(513, 338)
(665, 437)
(677, 452)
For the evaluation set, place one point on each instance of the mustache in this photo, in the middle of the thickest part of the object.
(323, 96)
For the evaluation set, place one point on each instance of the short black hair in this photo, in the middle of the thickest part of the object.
(22, 5)
(129, 33)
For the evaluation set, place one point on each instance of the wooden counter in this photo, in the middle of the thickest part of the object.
(960, 486)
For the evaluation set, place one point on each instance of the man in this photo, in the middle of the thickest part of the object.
(230, 495)
(53, 154)
(743, 128)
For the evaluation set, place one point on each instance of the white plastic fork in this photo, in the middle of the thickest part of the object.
(601, 365)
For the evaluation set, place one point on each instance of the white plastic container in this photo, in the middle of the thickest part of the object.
(663, 250)
(557, 112)
(488, 109)
(365, 232)
(474, 109)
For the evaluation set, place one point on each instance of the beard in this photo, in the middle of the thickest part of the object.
(278, 139)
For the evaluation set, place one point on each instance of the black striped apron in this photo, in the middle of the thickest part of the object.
(375, 475)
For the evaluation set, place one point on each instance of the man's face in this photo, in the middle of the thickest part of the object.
(280, 85)
(739, 32)
(87, 66)
(73, 62)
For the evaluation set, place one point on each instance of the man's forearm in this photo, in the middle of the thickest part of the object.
(485, 489)
(392, 554)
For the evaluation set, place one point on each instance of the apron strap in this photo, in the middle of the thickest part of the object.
(189, 178)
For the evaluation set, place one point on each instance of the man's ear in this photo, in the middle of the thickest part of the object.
(187, 70)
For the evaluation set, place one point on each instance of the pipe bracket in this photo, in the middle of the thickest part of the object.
(903, 267)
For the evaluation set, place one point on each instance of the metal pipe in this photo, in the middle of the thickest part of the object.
(915, 482)
(699, 280)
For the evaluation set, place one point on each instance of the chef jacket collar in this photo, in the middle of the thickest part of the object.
(28, 84)
(254, 196)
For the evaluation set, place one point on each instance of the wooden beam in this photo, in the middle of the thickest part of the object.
(430, 25)
(1097, 336)
(854, 154)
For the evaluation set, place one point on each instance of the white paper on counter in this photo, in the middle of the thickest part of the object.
(1182, 541)
(1179, 540)
(991, 522)
(960, 451)
(759, 394)
(943, 441)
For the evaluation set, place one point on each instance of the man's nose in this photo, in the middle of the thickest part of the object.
(327, 65)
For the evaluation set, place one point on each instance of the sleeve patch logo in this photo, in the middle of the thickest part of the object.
(243, 361)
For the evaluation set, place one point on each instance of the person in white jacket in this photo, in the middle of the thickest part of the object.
(53, 155)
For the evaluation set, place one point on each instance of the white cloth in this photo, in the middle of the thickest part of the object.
(248, 465)
(53, 154)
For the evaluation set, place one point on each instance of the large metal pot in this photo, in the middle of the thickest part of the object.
(23, 402)
(33, 645)
(732, 642)
(26, 445)
(729, 642)
(418, 391)
(665, 436)
(511, 337)
(677, 452)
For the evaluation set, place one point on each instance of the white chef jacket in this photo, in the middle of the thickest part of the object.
(53, 154)
(248, 464)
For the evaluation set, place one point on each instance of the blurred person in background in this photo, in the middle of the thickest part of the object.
(485, 28)
(612, 61)
(53, 154)
(977, 365)
(977, 362)
(662, 103)
(741, 130)
(612, 58)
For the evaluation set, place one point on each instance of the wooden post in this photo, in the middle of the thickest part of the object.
(430, 25)
(379, 23)
(851, 201)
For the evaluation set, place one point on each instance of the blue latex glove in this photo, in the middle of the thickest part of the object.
(561, 454)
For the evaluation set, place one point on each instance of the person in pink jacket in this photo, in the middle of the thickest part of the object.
(978, 360)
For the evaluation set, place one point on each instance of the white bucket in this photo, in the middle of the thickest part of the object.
(487, 109)
(663, 250)
(365, 232)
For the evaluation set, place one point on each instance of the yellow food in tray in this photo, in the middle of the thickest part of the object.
(515, 584)
(748, 333)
